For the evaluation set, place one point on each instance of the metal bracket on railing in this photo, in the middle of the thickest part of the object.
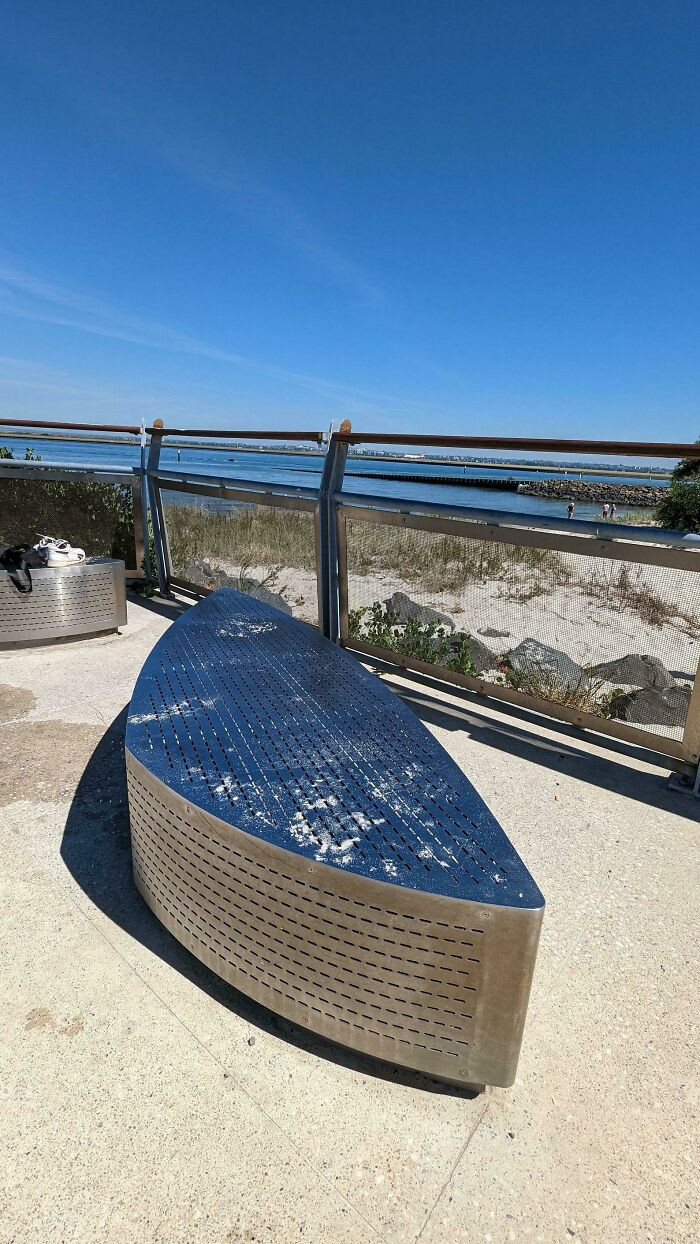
(331, 482)
(160, 534)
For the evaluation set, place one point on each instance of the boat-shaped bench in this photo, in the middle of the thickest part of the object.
(299, 830)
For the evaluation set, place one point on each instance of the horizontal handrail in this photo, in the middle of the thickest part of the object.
(158, 430)
(92, 468)
(62, 438)
(232, 483)
(71, 427)
(630, 449)
(249, 434)
(53, 475)
(520, 520)
(660, 449)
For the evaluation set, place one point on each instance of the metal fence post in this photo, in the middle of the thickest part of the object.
(160, 537)
(691, 730)
(143, 543)
(140, 568)
(331, 482)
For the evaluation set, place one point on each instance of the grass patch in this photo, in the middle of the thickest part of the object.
(628, 594)
(634, 518)
(587, 695)
(451, 563)
(263, 536)
(247, 536)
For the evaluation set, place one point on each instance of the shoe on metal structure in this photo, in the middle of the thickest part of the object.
(299, 830)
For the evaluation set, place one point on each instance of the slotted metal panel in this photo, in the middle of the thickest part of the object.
(302, 833)
(65, 601)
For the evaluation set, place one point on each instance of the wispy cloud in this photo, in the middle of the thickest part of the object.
(26, 385)
(28, 297)
(217, 169)
(25, 296)
(118, 92)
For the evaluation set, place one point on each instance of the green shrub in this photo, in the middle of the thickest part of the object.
(424, 641)
(96, 517)
(680, 507)
(687, 467)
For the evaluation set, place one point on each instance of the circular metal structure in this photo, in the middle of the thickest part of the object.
(65, 601)
(300, 831)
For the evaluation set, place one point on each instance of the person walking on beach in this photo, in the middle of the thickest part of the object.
(606, 510)
(613, 510)
(570, 510)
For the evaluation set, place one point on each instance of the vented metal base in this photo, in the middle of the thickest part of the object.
(297, 828)
(65, 601)
(433, 983)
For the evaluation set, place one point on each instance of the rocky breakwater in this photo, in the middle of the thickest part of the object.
(637, 496)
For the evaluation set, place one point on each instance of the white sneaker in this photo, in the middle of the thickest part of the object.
(59, 552)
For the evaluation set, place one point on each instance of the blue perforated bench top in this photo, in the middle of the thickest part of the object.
(257, 719)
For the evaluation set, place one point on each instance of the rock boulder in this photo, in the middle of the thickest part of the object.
(201, 571)
(651, 707)
(409, 610)
(482, 658)
(534, 659)
(635, 670)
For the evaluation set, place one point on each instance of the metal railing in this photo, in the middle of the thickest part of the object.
(224, 487)
(336, 512)
(49, 471)
(626, 545)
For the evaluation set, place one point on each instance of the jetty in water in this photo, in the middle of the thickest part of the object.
(622, 493)
(464, 481)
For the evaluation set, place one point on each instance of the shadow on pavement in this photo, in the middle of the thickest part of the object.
(164, 606)
(559, 755)
(96, 850)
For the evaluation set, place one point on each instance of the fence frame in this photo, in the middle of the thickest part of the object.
(332, 508)
(687, 750)
(50, 472)
(624, 543)
(176, 480)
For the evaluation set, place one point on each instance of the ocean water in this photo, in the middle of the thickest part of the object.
(305, 470)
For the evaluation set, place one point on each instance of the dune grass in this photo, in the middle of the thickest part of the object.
(450, 563)
(248, 536)
(273, 538)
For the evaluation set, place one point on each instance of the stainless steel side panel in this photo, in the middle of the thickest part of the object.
(437, 984)
(68, 600)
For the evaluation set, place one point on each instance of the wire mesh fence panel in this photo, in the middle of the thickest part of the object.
(263, 550)
(614, 638)
(97, 517)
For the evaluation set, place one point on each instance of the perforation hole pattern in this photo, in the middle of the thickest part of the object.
(59, 603)
(357, 970)
(255, 718)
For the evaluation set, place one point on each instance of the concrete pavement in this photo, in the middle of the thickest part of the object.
(145, 1100)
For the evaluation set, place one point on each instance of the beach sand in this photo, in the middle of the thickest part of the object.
(589, 628)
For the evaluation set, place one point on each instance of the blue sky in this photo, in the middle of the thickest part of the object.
(441, 216)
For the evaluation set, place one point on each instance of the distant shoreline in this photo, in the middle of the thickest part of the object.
(475, 463)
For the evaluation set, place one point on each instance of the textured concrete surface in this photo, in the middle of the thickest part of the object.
(145, 1100)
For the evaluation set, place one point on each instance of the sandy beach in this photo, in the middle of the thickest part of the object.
(590, 627)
